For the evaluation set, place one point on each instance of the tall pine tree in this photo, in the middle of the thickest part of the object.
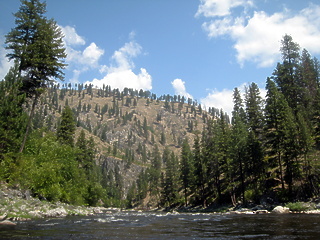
(37, 46)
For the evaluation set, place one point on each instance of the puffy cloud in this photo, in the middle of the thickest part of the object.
(257, 36)
(71, 37)
(179, 88)
(219, 99)
(123, 56)
(91, 55)
(125, 78)
(120, 73)
(80, 59)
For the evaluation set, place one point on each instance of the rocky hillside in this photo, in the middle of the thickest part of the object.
(126, 125)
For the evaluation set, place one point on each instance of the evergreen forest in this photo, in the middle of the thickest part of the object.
(81, 145)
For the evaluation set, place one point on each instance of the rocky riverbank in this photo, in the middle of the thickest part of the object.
(19, 205)
(311, 207)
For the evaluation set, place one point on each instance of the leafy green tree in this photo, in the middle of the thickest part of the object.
(37, 46)
(67, 127)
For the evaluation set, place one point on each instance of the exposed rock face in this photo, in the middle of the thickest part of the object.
(129, 174)
(281, 210)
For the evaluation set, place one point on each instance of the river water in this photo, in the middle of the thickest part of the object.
(140, 225)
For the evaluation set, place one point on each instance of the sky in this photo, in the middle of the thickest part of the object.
(201, 49)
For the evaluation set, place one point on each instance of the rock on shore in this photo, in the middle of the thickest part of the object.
(281, 210)
(17, 205)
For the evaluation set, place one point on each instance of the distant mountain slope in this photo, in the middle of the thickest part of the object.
(127, 125)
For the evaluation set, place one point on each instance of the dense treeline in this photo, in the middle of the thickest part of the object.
(270, 150)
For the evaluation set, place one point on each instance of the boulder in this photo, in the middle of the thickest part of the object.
(262, 211)
(281, 210)
(3, 217)
(8, 223)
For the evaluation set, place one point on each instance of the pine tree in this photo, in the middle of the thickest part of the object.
(200, 171)
(286, 73)
(254, 113)
(186, 169)
(308, 82)
(255, 122)
(281, 135)
(86, 153)
(170, 188)
(37, 46)
(216, 153)
(12, 116)
(238, 146)
(67, 128)
(155, 171)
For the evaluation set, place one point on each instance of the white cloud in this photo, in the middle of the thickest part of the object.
(120, 73)
(224, 99)
(91, 55)
(180, 89)
(123, 56)
(125, 78)
(71, 37)
(219, 99)
(257, 36)
(80, 58)
(213, 8)
(4, 62)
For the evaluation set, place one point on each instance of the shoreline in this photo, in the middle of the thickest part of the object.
(17, 205)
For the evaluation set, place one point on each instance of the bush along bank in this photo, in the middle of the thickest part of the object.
(19, 205)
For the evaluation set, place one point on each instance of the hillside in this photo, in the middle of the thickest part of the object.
(126, 126)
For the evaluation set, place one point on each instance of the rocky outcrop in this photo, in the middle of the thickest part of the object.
(129, 174)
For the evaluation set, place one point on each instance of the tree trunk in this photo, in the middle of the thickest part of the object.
(242, 179)
(281, 173)
(29, 123)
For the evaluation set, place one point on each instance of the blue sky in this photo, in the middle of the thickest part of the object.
(198, 48)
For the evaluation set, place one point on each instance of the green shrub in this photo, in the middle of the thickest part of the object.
(298, 206)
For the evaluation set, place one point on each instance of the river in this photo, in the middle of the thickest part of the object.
(146, 225)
